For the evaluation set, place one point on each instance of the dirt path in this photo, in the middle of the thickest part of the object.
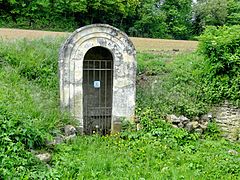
(142, 44)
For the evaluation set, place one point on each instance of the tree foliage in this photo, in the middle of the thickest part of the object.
(151, 21)
(178, 15)
(178, 19)
(233, 12)
(215, 13)
(221, 47)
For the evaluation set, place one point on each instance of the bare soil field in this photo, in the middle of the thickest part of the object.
(141, 44)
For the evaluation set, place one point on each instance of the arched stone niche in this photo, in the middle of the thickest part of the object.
(71, 61)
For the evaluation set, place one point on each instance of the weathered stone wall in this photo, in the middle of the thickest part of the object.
(228, 118)
(196, 124)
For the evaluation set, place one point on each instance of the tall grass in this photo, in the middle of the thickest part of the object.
(175, 86)
(29, 105)
(35, 60)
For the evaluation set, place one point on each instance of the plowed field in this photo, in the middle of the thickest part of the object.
(141, 44)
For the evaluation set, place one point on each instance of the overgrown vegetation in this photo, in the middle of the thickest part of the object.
(23, 124)
(158, 153)
(175, 86)
(221, 77)
(34, 60)
(29, 115)
(178, 19)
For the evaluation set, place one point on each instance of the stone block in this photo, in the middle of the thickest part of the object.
(45, 157)
(69, 130)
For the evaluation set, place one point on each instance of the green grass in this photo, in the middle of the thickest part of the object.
(145, 157)
(175, 87)
(152, 64)
(29, 114)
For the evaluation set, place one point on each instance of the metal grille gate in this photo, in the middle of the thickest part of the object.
(97, 96)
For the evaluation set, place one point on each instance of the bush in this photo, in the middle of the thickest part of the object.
(220, 75)
(153, 125)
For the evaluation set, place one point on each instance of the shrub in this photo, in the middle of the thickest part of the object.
(220, 75)
(154, 126)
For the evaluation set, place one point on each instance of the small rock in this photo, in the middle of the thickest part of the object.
(45, 157)
(71, 137)
(59, 139)
(195, 124)
(204, 117)
(207, 117)
(184, 119)
(198, 130)
(233, 152)
(203, 127)
(192, 125)
(210, 115)
(180, 125)
(169, 118)
(196, 118)
(205, 123)
(189, 126)
(174, 126)
(173, 119)
(69, 130)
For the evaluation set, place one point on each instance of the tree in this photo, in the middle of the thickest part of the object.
(150, 22)
(209, 12)
(178, 17)
(233, 12)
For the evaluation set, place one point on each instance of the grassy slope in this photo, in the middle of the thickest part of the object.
(29, 114)
(144, 157)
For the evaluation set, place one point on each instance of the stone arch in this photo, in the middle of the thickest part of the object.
(71, 58)
(98, 53)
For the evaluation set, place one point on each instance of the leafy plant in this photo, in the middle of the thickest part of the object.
(213, 131)
(28, 113)
(220, 76)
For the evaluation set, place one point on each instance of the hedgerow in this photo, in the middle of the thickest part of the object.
(221, 75)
